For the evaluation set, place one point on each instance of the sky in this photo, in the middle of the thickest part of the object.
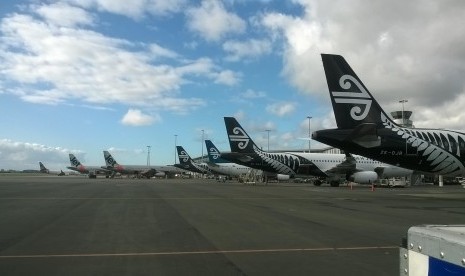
(83, 76)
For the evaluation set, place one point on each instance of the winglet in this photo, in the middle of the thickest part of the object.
(352, 102)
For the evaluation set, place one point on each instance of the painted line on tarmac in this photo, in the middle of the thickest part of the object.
(155, 198)
(178, 253)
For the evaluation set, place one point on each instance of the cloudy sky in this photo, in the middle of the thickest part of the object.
(84, 76)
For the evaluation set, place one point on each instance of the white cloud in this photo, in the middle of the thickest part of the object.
(213, 22)
(181, 105)
(252, 94)
(61, 14)
(25, 155)
(239, 115)
(135, 9)
(227, 77)
(159, 51)
(251, 49)
(281, 108)
(394, 48)
(52, 64)
(135, 117)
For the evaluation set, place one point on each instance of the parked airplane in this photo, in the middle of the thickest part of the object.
(43, 169)
(186, 162)
(364, 128)
(91, 171)
(221, 166)
(240, 169)
(138, 170)
(334, 167)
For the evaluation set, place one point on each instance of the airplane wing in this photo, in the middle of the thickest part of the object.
(349, 165)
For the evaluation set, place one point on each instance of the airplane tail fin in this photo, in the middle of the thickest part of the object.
(353, 104)
(109, 160)
(239, 141)
(213, 152)
(43, 169)
(183, 155)
(74, 161)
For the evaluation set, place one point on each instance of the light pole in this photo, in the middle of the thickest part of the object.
(268, 131)
(403, 118)
(148, 156)
(203, 133)
(309, 133)
(175, 149)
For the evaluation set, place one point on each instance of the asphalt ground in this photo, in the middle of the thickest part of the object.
(77, 226)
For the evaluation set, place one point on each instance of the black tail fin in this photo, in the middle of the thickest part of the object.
(183, 155)
(213, 153)
(352, 102)
(239, 141)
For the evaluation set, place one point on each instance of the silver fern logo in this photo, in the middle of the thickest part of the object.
(438, 153)
(214, 153)
(240, 137)
(281, 163)
(355, 98)
(184, 156)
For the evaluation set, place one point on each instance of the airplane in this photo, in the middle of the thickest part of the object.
(138, 170)
(43, 169)
(333, 167)
(186, 163)
(91, 171)
(364, 128)
(221, 166)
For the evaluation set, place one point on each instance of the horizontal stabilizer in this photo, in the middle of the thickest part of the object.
(365, 135)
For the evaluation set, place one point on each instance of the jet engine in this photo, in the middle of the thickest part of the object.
(365, 177)
(283, 177)
(160, 174)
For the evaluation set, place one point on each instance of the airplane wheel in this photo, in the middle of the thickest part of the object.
(317, 182)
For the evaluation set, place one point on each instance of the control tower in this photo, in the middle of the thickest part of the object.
(405, 121)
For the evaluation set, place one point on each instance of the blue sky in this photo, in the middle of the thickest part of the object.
(93, 75)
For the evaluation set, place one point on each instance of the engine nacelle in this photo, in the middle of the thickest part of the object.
(365, 177)
(160, 174)
(392, 171)
(283, 177)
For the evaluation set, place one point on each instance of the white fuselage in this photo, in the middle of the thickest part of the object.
(231, 169)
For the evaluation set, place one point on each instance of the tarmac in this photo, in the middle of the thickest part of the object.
(73, 225)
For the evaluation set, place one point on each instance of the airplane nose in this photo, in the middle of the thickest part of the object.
(314, 135)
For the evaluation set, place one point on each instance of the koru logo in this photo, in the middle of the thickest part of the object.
(184, 156)
(214, 153)
(240, 137)
(355, 98)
